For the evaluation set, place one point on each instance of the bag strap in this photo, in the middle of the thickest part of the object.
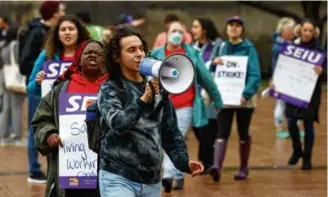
(221, 48)
(12, 53)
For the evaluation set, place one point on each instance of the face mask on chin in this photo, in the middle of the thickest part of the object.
(175, 38)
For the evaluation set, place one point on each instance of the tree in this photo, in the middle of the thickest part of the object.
(310, 11)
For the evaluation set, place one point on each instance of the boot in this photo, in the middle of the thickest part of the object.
(244, 152)
(220, 147)
(178, 184)
(307, 165)
(297, 154)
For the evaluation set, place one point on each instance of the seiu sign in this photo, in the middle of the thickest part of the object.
(54, 69)
(75, 103)
(307, 55)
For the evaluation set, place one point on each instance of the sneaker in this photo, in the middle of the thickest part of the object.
(19, 142)
(37, 177)
(282, 134)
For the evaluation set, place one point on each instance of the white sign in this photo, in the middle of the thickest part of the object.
(230, 78)
(295, 78)
(77, 163)
(53, 70)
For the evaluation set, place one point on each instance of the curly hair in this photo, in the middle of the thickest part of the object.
(113, 50)
(54, 45)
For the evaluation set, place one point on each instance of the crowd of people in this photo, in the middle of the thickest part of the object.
(106, 61)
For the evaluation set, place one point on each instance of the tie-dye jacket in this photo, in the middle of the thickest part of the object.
(132, 146)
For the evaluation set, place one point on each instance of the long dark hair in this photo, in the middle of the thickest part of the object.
(207, 25)
(54, 45)
(113, 50)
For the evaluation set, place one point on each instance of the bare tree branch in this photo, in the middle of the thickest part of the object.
(280, 12)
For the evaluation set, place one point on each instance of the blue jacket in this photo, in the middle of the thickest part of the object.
(203, 78)
(33, 88)
(253, 75)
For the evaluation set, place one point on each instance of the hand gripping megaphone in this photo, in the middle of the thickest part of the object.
(176, 73)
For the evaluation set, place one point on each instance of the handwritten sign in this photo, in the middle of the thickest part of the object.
(77, 163)
(53, 70)
(230, 78)
(294, 77)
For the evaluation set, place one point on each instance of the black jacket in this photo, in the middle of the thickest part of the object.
(133, 145)
(33, 45)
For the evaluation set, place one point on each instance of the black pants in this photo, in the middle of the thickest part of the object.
(225, 118)
(206, 136)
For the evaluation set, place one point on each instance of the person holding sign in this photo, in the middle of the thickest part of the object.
(189, 105)
(141, 122)
(284, 34)
(54, 139)
(206, 37)
(308, 34)
(236, 46)
(60, 45)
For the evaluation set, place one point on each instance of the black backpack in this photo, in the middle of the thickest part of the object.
(94, 127)
(22, 37)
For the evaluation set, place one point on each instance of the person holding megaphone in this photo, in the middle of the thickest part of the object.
(189, 105)
(139, 121)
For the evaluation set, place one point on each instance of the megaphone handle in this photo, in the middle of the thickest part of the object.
(152, 90)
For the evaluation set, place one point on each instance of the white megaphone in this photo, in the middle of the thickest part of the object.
(176, 73)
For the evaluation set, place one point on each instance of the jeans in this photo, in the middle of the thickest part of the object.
(184, 116)
(112, 185)
(34, 166)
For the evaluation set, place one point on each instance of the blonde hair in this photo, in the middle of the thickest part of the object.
(297, 30)
(283, 23)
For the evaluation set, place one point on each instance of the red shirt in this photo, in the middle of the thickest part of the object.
(67, 58)
(78, 84)
(187, 98)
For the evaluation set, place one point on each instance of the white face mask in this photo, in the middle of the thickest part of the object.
(175, 38)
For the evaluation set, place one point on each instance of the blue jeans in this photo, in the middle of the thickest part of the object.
(112, 185)
(34, 166)
(184, 116)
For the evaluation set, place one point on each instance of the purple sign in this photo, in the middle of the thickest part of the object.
(304, 54)
(54, 69)
(75, 158)
(86, 182)
(312, 57)
(74, 103)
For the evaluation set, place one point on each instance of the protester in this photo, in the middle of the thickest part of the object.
(12, 100)
(307, 33)
(188, 105)
(85, 75)
(206, 37)
(161, 38)
(31, 43)
(237, 45)
(138, 127)
(284, 34)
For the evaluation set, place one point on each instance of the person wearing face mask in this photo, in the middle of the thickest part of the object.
(307, 36)
(137, 124)
(85, 75)
(60, 45)
(189, 105)
(237, 45)
(206, 37)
